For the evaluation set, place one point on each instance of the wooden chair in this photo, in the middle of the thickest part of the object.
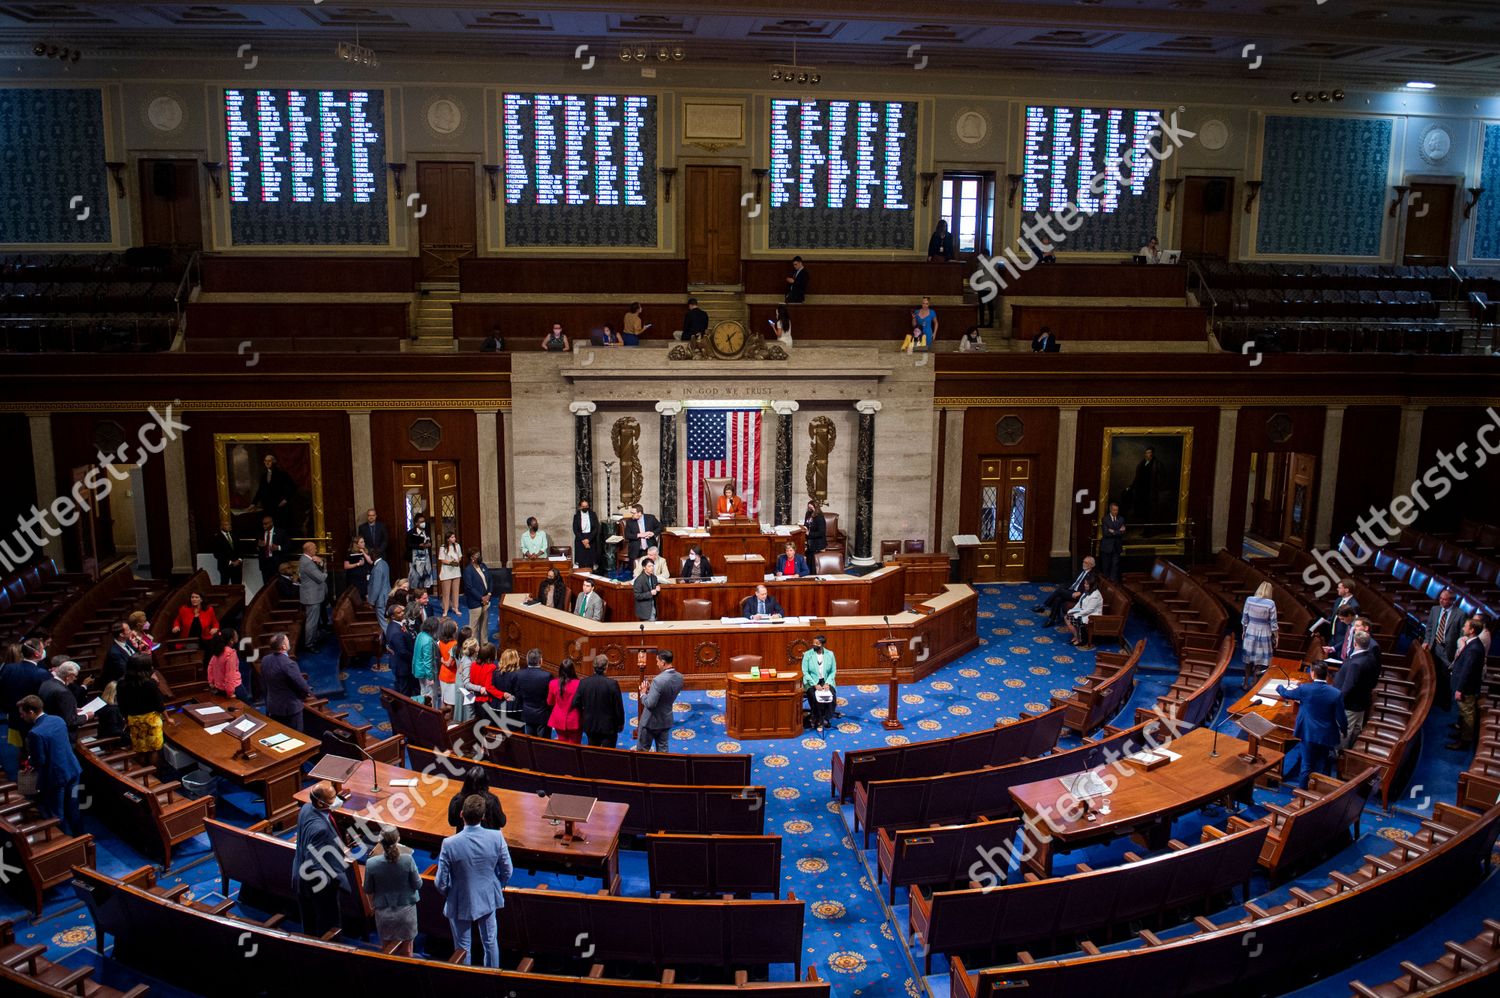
(358, 636)
(1459, 967)
(1311, 820)
(138, 802)
(889, 550)
(744, 663)
(914, 546)
(26, 968)
(38, 845)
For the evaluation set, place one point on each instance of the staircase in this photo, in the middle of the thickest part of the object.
(722, 301)
(434, 318)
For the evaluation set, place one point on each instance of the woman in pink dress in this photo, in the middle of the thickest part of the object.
(565, 719)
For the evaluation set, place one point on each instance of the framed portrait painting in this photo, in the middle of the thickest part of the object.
(1146, 469)
(279, 475)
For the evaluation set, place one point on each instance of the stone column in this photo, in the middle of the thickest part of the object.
(1328, 476)
(488, 444)
(174, 466)
(583, 450)
(44, 470)
(864, 484)
(668, 461)
(953, 476)
(507, 528)
(1408, 448)
(784, 412)
(1064, 500)
(1229, 421)
(360, 453)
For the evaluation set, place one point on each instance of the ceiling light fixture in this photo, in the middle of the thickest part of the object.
(1420, 85)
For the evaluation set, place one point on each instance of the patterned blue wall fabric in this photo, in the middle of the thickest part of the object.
(260, 125)
(1487, 215)
(51, 151)
(1325, 186)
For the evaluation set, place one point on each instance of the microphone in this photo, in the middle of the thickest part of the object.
(348, 740)
(887, 620)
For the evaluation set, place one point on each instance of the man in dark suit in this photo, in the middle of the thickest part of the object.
(1440, 636)
(585, 536)
(374, 532)
(1341, 644)
(399, 643)
(695, 322)
(1468, 672)
(645, 586)
(270, 549)
(320, 866)
(286, 687)
(226, 552)
(761, 606)
(1320, 726)
(1356, 680)
(276, 491)
(117, 659)
(641, 530)
(49, 746)
(657, 697)
(1344, 601)
(599, 702)
(796, 284)
(1064, 597)
(531, 691)
(57, 693)
(791, 563)
(19, 680)
(1111, 540)
(1045, 342)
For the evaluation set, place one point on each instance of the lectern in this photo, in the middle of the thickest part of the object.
(764, 706)
(889, 650)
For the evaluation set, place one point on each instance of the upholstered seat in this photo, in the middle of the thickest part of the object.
(697, 609)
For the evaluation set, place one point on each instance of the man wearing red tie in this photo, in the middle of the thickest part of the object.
(791, 563)
(270, 547)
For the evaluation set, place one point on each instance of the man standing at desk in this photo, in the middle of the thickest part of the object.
(641, 529)
(657, 697)
(761, 606)
(473, 869)
(1320, 725)
(645, 586)
(320, 866)
(819, 671)
(286, 687)
(792, 563)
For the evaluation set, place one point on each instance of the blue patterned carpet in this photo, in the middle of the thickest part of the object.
(856, 940)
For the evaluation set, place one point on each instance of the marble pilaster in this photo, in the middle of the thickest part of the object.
(44, 470)
(1229, 421)
(583, 450)
(668, 470)
(1328, 476)
(783, 486)
(864, 484)
(490, 544)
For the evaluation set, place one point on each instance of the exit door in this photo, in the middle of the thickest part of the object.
(170, 212)
(1005, 515)
(431, 489)
(1429, 225)
(446, 225)
(1207, 221)
(713, 224)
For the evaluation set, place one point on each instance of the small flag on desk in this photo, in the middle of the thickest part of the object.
(722, 443)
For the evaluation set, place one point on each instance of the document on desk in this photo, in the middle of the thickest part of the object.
(210, 711)
(1267, 693)
(288, 745)
(216, 728)
(1083, 785)
(274, 740)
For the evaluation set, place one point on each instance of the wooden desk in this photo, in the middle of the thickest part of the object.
(744, 569)
(526, 574)
(881, 592)
(277, 774)
(1144, 802)
(1283, 713)
(926, 574)
(422, 817)
(720, 540)
(702, 648)
(764, 707)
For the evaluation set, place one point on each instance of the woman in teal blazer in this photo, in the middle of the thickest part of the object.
(818, 673)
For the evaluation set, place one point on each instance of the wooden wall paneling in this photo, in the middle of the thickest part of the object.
(1474, 487)
(523, 326)
(1038, 439)
(1100, 280)
(872, 323)
(1253, 435)
(255, 274)
(390, 441)
(1110, 323)
(19, 494)
(573, 275)
(909, 278)
(352, 325)
(1367, 463)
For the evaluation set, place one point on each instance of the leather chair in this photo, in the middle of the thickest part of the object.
(697, 609)
(889, 550)
(744, 663)
(843, 608)
(713, 488)
(835, 540)
(916, 546)
(828, 563)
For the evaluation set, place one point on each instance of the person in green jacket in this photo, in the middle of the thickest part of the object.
(423, 659)
(818, 673)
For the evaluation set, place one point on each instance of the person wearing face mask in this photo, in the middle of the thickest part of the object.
(585, 536)
(556, 340)
(818, 673)
(419, 554)
(817, 529)
(534, 543)
(696, 567)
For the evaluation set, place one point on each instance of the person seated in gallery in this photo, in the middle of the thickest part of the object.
(696, 567)
(729, 503)
(761, 606)
(791, 563)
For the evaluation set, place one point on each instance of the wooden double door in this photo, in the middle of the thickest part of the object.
(712, 221)
(1006, 514)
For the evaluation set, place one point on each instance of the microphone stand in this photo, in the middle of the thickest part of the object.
(374, 769)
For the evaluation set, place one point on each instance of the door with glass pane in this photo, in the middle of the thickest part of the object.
(968, 205)
(1004, 518)
(431, 489)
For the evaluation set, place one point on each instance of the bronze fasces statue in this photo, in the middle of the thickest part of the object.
(824, 435)
(625, 434)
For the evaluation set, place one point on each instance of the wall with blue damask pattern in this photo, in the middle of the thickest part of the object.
(1487, 214)
(1324, 190)
(51, 151)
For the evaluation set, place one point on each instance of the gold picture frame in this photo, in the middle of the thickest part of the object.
(1151, 527)
(225, 443)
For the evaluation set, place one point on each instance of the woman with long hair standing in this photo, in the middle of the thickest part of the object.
(141, 702)
(566, 719)
(450, 570)
(393, 885)
(1258, 622)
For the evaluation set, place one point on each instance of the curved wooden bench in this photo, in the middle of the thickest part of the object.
(1462, 966)
(1183, 609)
(36, 845)
(1313, 818)
(1194, 698)
(1101, 695)
(737, 865)
(1392, 734)
(138, 799)
(357, 631)
(26, 968)
(941, 854)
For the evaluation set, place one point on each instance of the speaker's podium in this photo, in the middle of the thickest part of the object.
(767, 706)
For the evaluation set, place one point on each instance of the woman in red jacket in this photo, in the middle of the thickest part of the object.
(196, 620)
(566, 719)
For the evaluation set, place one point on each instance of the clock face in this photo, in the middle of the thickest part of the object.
(728, 338)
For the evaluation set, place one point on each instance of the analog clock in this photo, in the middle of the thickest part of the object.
(728, 338)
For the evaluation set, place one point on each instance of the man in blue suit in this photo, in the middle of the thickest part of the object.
(1468, 674)
(1356, 680)
(320, 867)
(473, 869)
(57, 767)
(399, 645)
(286, 687)
(1320, 725)
(378, 588)
(531, 691)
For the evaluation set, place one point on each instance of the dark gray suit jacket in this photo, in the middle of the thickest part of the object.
(1449, 647)
(659, 698)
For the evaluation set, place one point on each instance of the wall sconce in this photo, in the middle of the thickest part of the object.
(1172, 185)
(398, 172)
(1253, 188)
(667, 173)
(1401, 191)
(1475, 193)
(927, 181)
(760, 181)
(492, 171)
(1015, 185)
(213, 175)
(115, 174)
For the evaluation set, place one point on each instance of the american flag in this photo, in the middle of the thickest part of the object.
(723, 443)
